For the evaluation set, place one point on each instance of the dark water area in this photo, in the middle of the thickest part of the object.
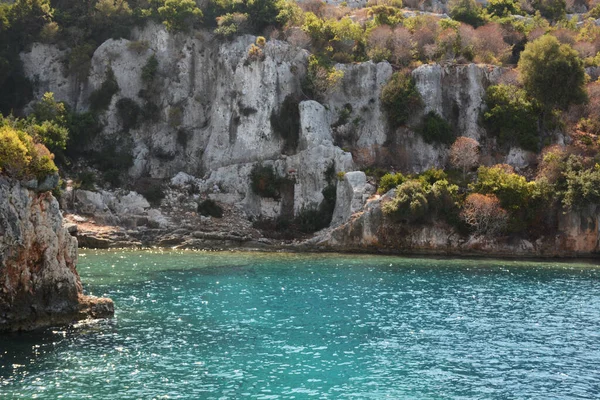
(195, 325)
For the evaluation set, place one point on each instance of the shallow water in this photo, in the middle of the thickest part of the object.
(196, 325)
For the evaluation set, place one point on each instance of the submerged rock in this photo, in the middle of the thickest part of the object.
(39, 285)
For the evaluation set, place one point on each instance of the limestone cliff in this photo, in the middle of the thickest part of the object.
(217, 113)
(216, 108)
(39, 285)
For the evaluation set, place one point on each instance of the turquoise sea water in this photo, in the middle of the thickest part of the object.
(199, 325)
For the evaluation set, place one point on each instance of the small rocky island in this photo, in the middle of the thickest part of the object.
(39, 285)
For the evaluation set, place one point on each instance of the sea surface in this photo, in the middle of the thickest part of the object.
(202, 325)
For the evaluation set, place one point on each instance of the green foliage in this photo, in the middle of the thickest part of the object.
(582, 185)
(286, 123)
(467, 11)
(400, 98)
(100, 98)
(48, 109)
(335, 38)
(83, 128)
(552, 73)
(513, 190)
(410, 203)
(22, 157)
(386, 15)
(80, 59)
(512, 116)
(553, 10)
(321, 78)
(242, 16)
(502, 8)
(390, 181)
(594, 13)
(435, 129)
(128, 112)
(52, 135)
(265, 182)
(231, 24)
(150, 69)
(179, 15)
(209, 208)
(431, 176)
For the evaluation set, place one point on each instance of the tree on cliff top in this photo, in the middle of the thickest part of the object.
(552, 73)
(179, 15)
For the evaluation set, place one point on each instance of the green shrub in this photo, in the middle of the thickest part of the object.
(51, 135)
(390, 181)
(435, 129)
(83, 128)
(321, 78)
(386, 15)
(23, 158)
(467, 11)
(513, 190)
(286, 123)
(128, 112)
(231, 24)
(150, 69)
(151, 189)
(512, 117)
(265, 182)
(552, 73)
(432, 175)
(582, 184)
(14, 155)
(179, 15)
(48, 109)
(209, 208)
(554, 10)
(80, 59)
(502, 8)
(400, 98)
(100, 98)
(410, 203)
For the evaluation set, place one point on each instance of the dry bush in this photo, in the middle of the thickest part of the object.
(424, 42)
(464, 154)
(401, 46)
(314, 6)
(298, 38)
(536, 33)
(380, 37)
(467, 35)
(565, 36)
(331, 11)
(447, 44)
(550, 163)
(490, 46)
(585, 49)
(510, 77)
(484, 214)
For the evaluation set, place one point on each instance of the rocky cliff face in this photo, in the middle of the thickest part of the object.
(217, 106)
(39, 285)
(219, 111)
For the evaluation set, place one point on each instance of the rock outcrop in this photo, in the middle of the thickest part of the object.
(369, 230)
(39, 285)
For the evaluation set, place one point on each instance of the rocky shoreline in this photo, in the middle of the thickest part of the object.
(39, 283)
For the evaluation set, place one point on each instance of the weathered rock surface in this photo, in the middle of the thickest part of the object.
(369, 230)
(352, 194)
(39, 285)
